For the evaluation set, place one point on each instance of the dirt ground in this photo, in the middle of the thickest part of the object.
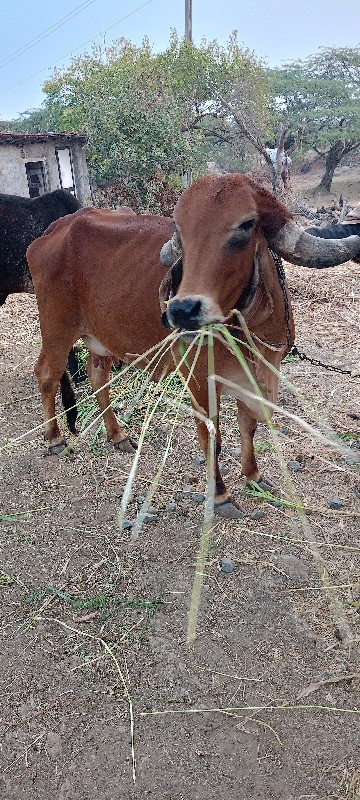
(346, 182)
(265, 702)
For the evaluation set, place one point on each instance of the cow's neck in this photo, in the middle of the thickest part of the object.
(247, 297)
(256, 306)
(255, 303)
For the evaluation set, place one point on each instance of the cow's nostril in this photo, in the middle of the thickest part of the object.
(185, 313)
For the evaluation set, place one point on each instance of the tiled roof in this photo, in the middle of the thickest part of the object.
(9, 137)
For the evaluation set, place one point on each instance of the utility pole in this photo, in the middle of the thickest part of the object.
(188, 20)
(187, 176)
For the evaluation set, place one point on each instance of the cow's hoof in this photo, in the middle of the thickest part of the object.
(126, 445)
(263, 484)
(57, 449)
(228, 510)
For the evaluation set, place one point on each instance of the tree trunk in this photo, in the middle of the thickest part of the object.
(332, 160)
(275, 168)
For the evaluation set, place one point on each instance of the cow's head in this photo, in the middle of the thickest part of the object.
(223, 228)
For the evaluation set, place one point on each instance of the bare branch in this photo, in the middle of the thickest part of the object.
(245, 130)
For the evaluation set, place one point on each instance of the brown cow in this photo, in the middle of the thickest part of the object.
(97, 276)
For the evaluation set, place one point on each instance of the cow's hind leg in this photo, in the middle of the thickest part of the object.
(247, 424)
(49, 370)
(99, 375)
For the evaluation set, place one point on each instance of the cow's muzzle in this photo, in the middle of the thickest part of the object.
(190, 313)
(185, 313)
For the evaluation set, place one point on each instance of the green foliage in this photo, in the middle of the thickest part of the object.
(318, 102)
(319, 98)
(35, 121)
(7, 125)
(133, 122)
(338, 63)
(151, 117)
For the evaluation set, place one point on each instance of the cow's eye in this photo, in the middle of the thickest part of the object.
(240, 237)
(246, 226)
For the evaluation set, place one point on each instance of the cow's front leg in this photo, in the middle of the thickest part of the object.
(247, 425)
(223, 504)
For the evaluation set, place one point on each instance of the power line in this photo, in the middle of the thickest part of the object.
(39, 38)
(76, 49)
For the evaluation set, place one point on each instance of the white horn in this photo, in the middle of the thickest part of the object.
(299, 247)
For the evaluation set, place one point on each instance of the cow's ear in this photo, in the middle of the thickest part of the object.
(171, 251)
(272, 214)
(168, 289)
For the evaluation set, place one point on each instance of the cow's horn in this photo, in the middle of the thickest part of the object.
(171, 250)
(298, 247)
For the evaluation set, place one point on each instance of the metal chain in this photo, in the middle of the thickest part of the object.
(282, 280)
(293, 349)
(303, 357)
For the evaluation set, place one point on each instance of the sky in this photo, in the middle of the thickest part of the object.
(276, 30)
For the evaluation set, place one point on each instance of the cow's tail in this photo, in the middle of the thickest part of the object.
(69, 401)
(76, 367)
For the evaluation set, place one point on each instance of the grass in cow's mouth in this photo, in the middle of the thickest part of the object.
(292, 500)
(137, 399)
(157, 396)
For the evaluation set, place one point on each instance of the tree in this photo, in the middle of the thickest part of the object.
(149, 114)
(117, 98)
(319, 99)
(339, 63)
(225, 93)
(7, 125)
(36, 120)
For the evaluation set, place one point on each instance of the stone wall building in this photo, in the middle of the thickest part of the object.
(34, 163)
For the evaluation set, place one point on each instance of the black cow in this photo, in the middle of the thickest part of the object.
(21, 221)
(338, 231)
(349, 227)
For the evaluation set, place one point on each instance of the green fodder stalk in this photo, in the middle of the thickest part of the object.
(160, 350)
(321, 565)
(116, 378)
(146, 424)
(203, 550)
(323, 425)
